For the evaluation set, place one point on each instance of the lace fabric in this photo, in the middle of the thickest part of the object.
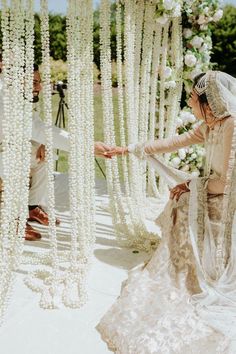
(154, 313)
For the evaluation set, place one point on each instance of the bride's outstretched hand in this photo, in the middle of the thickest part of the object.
(178, 190)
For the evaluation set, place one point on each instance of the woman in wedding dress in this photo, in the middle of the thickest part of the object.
(184, 299)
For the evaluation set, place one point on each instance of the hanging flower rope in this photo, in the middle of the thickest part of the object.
(16, 27)
(128, 218)
(46, 281)
(153, 105)
(64, 277)
(81, 158)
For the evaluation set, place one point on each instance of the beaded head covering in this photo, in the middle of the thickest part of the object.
(220, 90)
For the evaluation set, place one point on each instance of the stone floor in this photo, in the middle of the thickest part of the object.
(28, 329)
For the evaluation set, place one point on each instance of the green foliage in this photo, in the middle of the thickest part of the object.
(96, 36)
(58, 70)
(57, 32)
(224, 41)
(223, 37)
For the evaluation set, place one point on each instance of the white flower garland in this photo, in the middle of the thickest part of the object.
(127, 213)
(68, 284)
(17, 98)
(145, 78)
(49, 288)
(81, 127)
(152, 185)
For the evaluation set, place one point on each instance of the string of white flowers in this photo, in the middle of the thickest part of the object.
(162, 90)
(6, 216)
(81, 167)
(145, 78)
(133, 20)
(133, 215)
(121, 110)
(27, 113)
(138, 36)
(161, 121)
(121, 93)
(128, 218)
(16, 27)
(153, 106)
(49, 288)
(17, 32)
(175, 86)
(114, 188)
(89, 171)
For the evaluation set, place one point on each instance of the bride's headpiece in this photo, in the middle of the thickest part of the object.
(220, 90)
(201, 86)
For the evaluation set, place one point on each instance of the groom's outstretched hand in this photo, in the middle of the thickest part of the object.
(103, 150)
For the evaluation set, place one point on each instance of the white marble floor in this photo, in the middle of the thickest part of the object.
(28, 329)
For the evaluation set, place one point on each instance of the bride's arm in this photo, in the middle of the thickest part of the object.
(195, 136)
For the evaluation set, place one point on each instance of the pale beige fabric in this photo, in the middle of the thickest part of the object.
(221, 150)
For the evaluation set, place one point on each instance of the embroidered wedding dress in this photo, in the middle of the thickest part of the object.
(184, 300)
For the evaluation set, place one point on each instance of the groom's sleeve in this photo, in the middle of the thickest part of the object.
(60, 136)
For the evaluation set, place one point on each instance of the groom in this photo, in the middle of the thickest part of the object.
(38, 185)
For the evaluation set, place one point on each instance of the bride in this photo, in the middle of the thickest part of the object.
(184, 299)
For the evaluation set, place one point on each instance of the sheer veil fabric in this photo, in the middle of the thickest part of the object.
(184, 300)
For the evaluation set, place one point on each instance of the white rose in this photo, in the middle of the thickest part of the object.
(168, 4)
(190, 60)
(182, 154)
(194, 156)
(206, 10)
(201, 20)
(190, 150)
(167, 72)
(218, 15)
(162, 20)
(176, 161)
(187, 33)
(203, 48)
(197, 41)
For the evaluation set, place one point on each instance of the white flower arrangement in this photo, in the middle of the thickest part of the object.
(166, 9)
(197, 40)
(188, 159)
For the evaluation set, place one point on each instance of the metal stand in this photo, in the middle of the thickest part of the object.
(61, 122)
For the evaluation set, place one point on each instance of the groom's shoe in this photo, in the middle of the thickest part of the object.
(31, 234)
(39, 215)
